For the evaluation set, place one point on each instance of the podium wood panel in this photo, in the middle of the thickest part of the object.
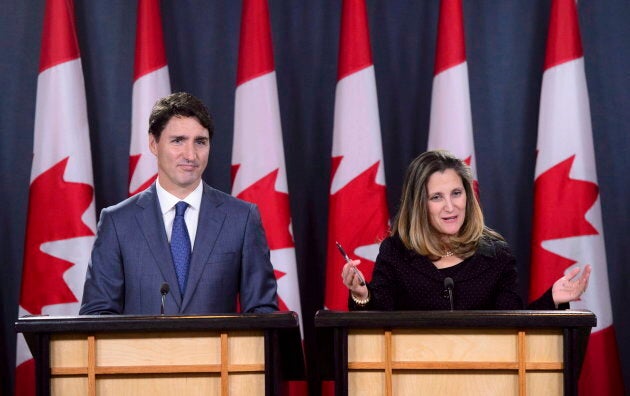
(159, 363)
(158, 385)
(138, 349)
(453, 361)
(455, 383)
(454, 345)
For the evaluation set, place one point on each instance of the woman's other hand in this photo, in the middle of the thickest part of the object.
(570, 287)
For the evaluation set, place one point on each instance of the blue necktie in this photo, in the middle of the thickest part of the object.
(180, 245)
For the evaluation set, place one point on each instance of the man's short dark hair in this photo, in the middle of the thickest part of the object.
(179, 104)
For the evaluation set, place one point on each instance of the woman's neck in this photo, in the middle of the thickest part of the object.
(447, 261)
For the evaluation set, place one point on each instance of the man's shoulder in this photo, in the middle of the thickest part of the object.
(220, 198)
(133, 203)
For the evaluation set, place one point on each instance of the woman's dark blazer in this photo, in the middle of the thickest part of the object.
(488, 280)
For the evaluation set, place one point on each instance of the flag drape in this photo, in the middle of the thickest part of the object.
(358, 216)
(567, 222)
(450, 126)
(61, 218)
(151, 82)
(258, 166)
(357, 213)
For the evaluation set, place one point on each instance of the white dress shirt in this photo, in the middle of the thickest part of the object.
(191, 216)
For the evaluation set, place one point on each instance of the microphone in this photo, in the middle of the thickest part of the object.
(448, 285)
(164, 289)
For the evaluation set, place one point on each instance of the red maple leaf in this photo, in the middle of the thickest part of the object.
(358, 217)
(560, 206)
(273, 206)
(133, 163)
(54, 214)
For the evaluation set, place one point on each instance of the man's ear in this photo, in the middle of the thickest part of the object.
(153, 144)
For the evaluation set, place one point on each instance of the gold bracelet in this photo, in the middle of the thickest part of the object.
(360, 302)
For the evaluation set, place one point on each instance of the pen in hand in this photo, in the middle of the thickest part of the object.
(356, 272)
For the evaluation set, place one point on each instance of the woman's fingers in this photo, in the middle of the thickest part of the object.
(573, 273)
(349, 274)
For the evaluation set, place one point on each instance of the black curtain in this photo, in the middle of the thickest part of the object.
(505, 46)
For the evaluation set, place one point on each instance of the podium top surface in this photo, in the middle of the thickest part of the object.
(281, 331)
(125, 323)
(461, 319)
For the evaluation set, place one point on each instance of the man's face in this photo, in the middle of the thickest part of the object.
(182, 154)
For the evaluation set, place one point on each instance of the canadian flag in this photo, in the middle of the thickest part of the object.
(258, 168)
(61, 220)
(567, 224)
(450, 127)
(358, 216)
(151, 82)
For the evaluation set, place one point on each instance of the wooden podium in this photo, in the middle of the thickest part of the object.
(244, 354)
(453, 352)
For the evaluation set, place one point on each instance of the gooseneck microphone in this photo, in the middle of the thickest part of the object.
(164, 289)
(448, 285)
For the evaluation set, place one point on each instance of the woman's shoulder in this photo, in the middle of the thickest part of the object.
(493, 247)
(393, 248)
(492, 255)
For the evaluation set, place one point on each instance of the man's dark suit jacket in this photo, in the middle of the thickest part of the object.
(405, 280)
(131, 259)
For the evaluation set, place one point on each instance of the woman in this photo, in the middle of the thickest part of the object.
(439, 233)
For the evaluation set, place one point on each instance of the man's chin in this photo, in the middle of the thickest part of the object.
(189, 182)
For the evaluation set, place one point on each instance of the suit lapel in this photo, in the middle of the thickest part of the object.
(211, 220)
(152, 225)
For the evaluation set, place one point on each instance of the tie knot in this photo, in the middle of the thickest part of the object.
(180, 208)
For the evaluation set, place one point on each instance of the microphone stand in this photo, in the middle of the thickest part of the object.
(448, 284)
(164, 289)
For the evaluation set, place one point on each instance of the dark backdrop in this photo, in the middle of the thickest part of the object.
(505, 46)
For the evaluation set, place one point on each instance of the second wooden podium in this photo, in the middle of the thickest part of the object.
(453, 353)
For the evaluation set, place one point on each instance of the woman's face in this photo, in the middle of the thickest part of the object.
(447, 201)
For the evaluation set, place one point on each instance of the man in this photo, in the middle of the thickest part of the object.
(209, 247)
